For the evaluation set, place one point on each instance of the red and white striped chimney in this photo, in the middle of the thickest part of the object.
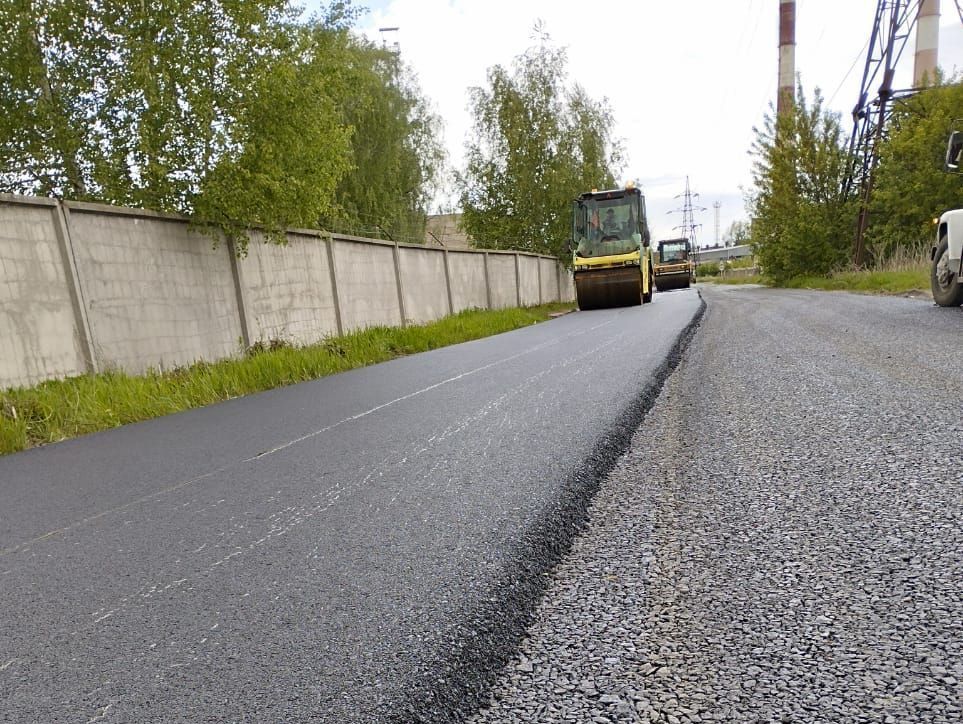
(927, 42)
(787, 55)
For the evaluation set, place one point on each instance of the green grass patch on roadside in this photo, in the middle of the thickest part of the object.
(868, 281)
(881, 282)
(61, 409)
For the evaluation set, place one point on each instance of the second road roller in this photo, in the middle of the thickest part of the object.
(610, 244)
(674, 267)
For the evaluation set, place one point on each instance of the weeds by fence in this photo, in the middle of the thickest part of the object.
(60, 409)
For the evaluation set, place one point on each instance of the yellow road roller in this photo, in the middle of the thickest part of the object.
(610, 245)
(674, 267)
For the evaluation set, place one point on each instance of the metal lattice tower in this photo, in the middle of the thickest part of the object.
(689, 225)
(717, 206)
(892, 27)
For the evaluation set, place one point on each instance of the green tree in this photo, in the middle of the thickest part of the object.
(288, 147)
(53, 53)
(396, 153)
(537, 142)
(233, 112)
(183, 74)
(801, 222)
(911, 186)
(739, 232)
(124, 101)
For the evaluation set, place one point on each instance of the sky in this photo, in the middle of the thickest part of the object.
(686, 80)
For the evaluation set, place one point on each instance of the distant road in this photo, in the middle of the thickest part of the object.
(323, 552)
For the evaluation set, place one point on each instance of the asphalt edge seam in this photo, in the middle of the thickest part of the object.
(456, 686)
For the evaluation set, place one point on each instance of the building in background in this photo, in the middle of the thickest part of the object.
(445, 230)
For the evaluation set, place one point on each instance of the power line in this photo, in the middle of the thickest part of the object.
(851, 67)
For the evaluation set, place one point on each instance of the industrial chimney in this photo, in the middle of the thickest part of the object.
(787, 55)
(927, 42)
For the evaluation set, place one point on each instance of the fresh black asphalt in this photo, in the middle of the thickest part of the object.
(359, 548)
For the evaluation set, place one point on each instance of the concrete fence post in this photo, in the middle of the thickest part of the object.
(538, 262)
(333, 275)
(451, 299)
(61, 220)
(240, 293)
(518, 281)
(488, 281)
(558, 281)
(401, 286)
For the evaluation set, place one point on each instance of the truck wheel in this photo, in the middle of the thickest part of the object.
(944, 282)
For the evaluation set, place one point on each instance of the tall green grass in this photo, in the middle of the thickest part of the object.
(870, 281)
(61, 409)
(905, 270)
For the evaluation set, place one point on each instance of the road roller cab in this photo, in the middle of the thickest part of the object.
(610, 243)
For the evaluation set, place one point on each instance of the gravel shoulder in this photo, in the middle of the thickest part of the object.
(783, 541)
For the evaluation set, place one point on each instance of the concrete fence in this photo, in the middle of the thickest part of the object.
(86, 287)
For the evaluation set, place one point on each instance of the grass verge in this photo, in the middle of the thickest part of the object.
(870, 281)
(877, 282)
(61, 409)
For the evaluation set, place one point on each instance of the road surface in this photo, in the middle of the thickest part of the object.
(783, 540)
(359, 548)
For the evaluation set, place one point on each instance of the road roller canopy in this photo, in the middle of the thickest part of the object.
(673, 250)
(611, 222)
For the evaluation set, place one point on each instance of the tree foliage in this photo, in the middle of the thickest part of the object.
(911, 186)
(290, 146)
(396, 154)
(801, 222)
(739, 232)
(537, 142)
(49, 92)
(234, 112)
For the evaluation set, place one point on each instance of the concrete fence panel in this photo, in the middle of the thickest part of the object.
(157, 293)
(568, 285)
(85, 287)
(38, 323)
(528, 286)
(548, 279)
(423, 282)
(501, 278)
(287, 289)
(467, 280)
(367, 285)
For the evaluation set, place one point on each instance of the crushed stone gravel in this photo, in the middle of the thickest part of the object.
(783, 540)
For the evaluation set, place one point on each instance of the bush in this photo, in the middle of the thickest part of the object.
(802, 224)
(708, 269)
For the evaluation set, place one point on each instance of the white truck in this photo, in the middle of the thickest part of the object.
(946, 272)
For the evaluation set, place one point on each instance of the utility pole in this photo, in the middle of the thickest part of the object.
(689, 226)
(717, 205)
(787, 56)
